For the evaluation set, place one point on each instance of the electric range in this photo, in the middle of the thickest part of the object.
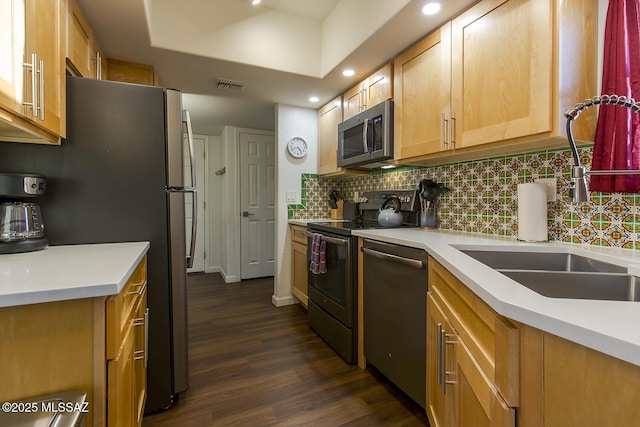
(333, 290)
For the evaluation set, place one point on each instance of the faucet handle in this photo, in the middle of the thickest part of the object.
(578, 186)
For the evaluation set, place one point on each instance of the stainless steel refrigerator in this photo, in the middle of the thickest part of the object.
(119, 177)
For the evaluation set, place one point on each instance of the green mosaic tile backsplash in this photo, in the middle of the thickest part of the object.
(483, 198)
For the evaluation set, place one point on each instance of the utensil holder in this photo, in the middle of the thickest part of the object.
(428, 217)
(337, 213)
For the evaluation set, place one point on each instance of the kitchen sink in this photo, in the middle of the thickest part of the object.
(549, 261)
(562, 275)
(579, 285)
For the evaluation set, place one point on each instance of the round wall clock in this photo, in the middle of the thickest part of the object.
(297, 147)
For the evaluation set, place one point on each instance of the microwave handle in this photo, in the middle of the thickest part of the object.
(365, 129)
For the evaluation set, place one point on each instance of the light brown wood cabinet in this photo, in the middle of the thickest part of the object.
(567, 384)
(32, 97)
(126, 317)
(84, 55)
(371, 91)
(92, 344)
(472, 357)
(496, 370)
(422, 96)
(329, 116)
(129, 72)
(299, 264)
(515, 67)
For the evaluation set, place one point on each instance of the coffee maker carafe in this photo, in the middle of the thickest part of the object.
(21, 226)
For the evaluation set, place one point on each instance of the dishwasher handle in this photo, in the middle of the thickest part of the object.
(409, 262)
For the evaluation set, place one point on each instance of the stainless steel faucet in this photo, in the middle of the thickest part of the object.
(578, 190)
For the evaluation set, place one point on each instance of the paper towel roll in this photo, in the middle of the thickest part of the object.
(532, 212)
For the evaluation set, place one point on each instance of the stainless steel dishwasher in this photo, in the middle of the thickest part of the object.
(395, 314)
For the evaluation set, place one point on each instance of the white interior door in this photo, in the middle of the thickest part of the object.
(257, 205)
(199, 143)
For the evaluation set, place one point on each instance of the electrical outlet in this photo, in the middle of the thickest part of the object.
(291, 196)
(552, 187)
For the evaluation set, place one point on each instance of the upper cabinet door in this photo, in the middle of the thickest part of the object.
(79, 42)
(369, 92)
(44, 39)
(12, 48)
(502, 67)
(378, 86)
(422, 94)
(329, 117)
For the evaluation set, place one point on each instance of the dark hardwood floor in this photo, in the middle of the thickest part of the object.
(252, 364)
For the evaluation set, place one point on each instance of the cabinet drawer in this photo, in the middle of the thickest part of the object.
(297, 234)
(121, 384)
(120, 309)
(492, 339)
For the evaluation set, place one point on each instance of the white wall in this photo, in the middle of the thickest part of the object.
(215, 162)
(290, 122)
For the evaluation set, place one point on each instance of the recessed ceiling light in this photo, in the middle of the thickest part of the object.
(348, 72)
(255, 2)
(314, 99)
(431, 8)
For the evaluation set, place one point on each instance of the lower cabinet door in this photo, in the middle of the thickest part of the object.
(299, 272)
(121, 384)
(459, 394)
(478, 402)
(141, 326)
(440, 397)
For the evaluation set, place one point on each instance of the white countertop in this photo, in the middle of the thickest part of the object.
(67, 272)
(611, 327)
(305, 222)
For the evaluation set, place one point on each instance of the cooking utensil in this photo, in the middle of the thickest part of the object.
(333, 199)
(388, 215)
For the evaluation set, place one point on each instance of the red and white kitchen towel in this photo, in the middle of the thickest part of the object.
(318, 264)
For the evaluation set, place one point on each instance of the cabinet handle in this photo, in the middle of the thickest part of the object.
(439, 353)
(98, 66)
(443, 360)
(445, 373)
(34, 85)
(452, 129)
(41, 103)
(364, 99)
(98, 61)
(143, 321)
(443, 135)
(141, 287)
(146, 336)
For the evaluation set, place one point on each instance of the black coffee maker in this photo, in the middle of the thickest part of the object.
(21, 227)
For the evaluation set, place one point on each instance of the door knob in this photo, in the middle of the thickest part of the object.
(246, 214)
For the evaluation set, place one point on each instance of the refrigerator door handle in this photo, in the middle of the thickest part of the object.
(186, 119)
(194, 226)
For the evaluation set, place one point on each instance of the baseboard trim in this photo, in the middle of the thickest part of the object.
(282, 301)
(229, 279)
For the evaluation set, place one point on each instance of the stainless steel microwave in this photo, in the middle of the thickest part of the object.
(366, 140)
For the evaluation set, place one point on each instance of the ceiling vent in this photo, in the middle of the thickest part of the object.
(230, 85)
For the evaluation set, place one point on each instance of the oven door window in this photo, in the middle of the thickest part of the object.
(332, 290)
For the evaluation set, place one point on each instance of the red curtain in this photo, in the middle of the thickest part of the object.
(617, 142)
